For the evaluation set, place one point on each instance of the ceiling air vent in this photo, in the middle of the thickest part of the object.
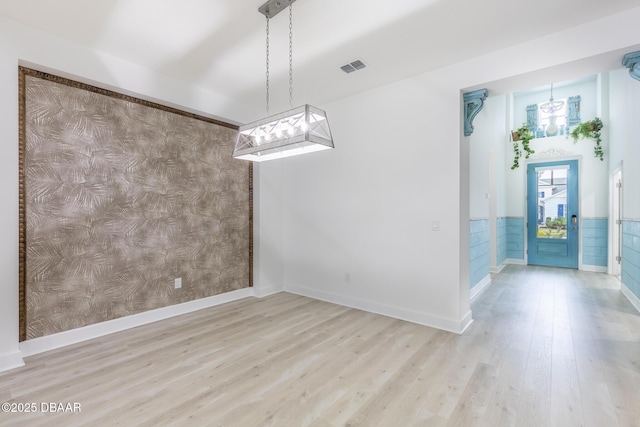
(354, 66)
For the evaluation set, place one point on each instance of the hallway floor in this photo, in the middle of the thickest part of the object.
(548, 347)
(569, 348)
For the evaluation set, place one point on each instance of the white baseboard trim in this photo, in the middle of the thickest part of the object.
(593, 268)
(480, 287)
(515, 261)
(633, 299)
(466, 321)
(51, 342)
(498, 269)
(11, 360)
(265, 292)
(449, 325)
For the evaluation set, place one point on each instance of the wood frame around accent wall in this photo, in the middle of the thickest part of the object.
(23, 72)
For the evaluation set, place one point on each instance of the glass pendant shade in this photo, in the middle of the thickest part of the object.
(301, 130)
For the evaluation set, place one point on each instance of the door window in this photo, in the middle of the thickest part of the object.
(552, 202)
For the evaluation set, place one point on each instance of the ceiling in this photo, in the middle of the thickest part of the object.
(220, 44)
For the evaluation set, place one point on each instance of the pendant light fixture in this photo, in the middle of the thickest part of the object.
(299, 130)
(552, 106)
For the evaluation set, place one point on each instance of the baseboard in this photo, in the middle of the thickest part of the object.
(480, 287)
(593, 268)
(265, 292)
(515, 261)
(495, 270)
(450, 325)
(11, 360)
(51, 342)
(633, 299)
(466, 321)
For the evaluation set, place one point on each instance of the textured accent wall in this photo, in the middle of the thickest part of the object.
(501, 241)
(595, 241)
(515, 237)
(631, 255)
(121, 197)
(479, 250)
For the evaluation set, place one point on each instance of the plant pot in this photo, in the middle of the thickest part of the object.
(515, 136)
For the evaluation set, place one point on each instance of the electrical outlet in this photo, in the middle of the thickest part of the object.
(347, 277)
(177, 283)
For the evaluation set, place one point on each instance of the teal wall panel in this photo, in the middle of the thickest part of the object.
(478, 250)
(501, 241)
(515, 238)
(631, 255)
(595, 241)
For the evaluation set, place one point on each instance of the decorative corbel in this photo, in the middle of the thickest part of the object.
(473, 103)
(632, 62)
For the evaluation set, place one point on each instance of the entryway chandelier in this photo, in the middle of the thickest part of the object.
(300, 130)
(552, 106)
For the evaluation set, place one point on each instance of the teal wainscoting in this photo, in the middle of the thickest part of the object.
(478, 250)
(595, 241)
(631, 256)
(501, 241)
(515, 238)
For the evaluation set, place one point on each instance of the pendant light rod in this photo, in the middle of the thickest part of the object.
(273, 7)
(290, 53)
(267, 58)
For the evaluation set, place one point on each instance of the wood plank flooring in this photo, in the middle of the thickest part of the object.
(549, 347)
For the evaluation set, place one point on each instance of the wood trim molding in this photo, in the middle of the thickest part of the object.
(22, 226)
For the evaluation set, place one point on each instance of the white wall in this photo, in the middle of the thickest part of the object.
(365, 209)
(487, 142)
(625, 139)
(268, 205)
(21, 45)
(9, 353)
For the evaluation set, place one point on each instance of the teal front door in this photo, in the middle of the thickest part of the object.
(552, 213)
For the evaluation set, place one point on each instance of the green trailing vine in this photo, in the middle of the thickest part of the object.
(592, 130)
(524, 135)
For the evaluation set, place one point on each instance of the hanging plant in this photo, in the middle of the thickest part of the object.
(521, 134)
(591, 130)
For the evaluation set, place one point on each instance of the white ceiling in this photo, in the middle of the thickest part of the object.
(220, 44)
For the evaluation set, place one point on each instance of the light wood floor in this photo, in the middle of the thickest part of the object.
(549, 347)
